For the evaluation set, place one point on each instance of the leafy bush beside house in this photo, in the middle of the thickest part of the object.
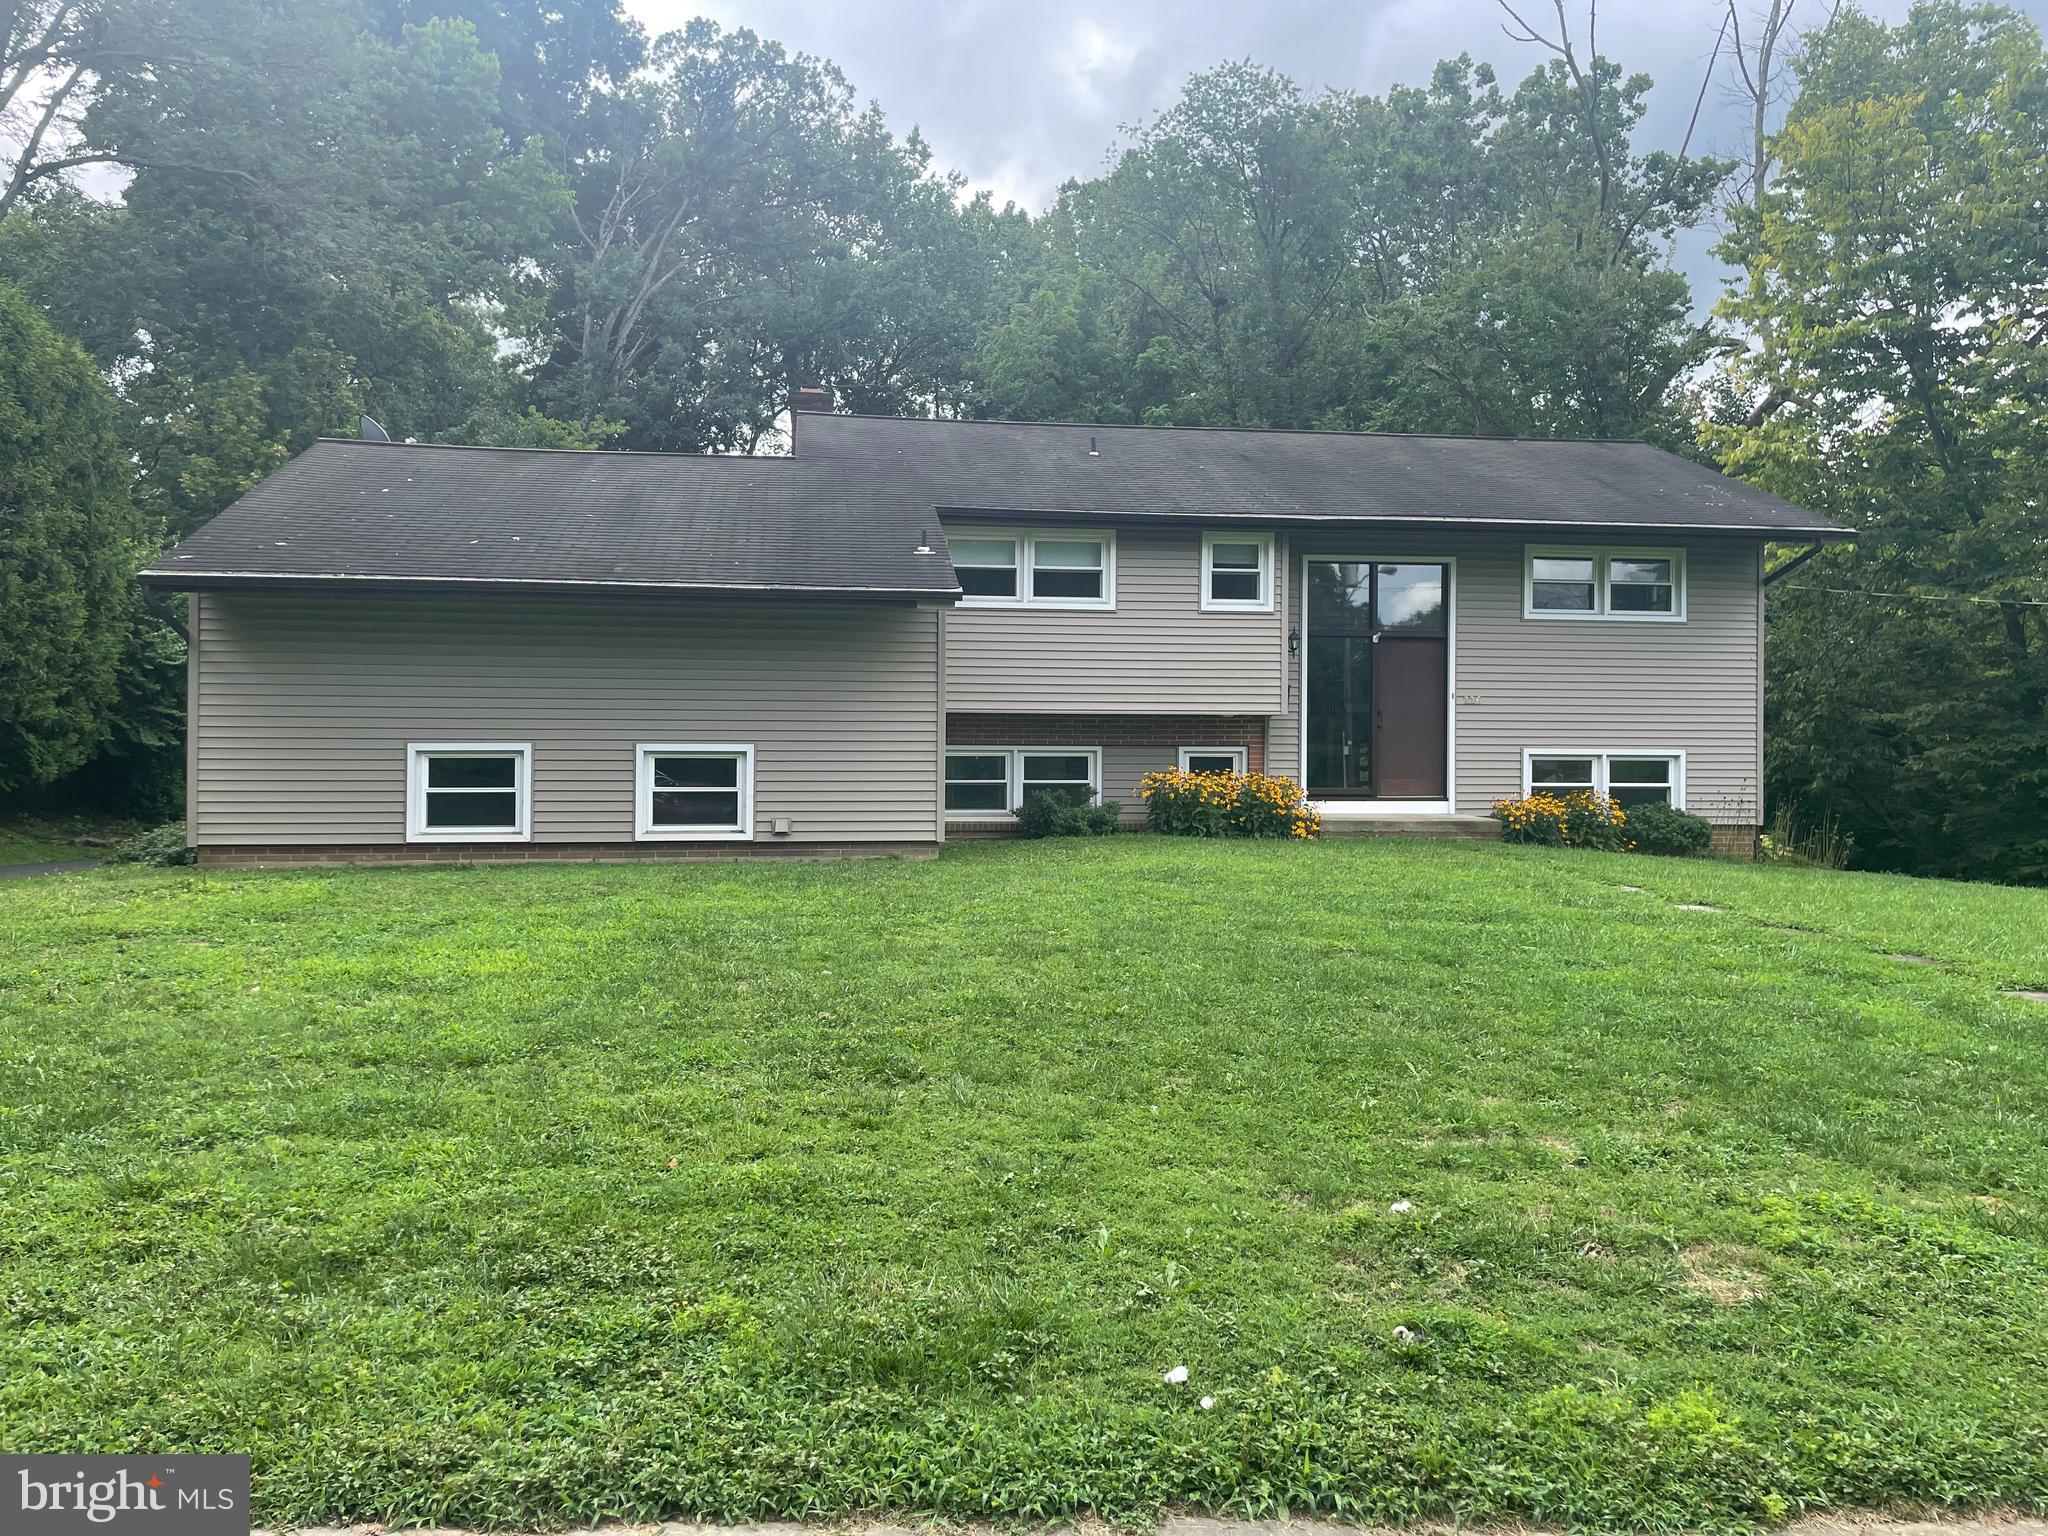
(1063, 813)
(1183, 804)
(1580, 819)
(164, 846)
(1659, 828)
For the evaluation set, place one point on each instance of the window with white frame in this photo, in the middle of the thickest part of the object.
(468, 792)
(977, 783)
(984, 783)
(1068, 569)
(1212, 759)
(1237, 572)
(1070, 772)
(1574, 583)
(987, 567)
(694, 792)
(1631, 778)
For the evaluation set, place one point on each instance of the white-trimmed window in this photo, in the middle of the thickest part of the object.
(1566, 582)
(989, 783)
(1632, 778)
(987, 568)
(469, 792)
(694, 792)
(1212, 759)
(1237, 572)
(1068, 568)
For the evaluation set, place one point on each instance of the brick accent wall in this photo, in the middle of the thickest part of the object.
(1132, 746)
(1164, 735)
(549, 853)
(1733, 842)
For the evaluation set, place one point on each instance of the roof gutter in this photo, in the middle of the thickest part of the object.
(1821, 532)
(217, 581)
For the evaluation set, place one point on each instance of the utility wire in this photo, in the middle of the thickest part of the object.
(1924, 597)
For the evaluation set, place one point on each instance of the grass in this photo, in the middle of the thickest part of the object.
(522, 1195)
(49, 839)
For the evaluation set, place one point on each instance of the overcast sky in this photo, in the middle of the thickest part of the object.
(1022, 94)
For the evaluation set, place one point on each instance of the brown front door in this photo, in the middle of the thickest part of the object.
(1378, 679)
(1410, 674)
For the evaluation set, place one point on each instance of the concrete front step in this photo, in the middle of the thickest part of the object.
(1484, 828)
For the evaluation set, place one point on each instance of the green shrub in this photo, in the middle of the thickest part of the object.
(159, 845)
(1183, 804)
(1580, 819)
(1065, 813)
(1659, 828)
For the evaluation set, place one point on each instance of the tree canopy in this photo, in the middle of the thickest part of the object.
(1900, 278)
(69, 540)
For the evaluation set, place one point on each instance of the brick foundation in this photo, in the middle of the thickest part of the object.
(547, 853)
(1165, 734)
(1733, 842)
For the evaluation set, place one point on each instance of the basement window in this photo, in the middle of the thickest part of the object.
(695, 792)
(1632, 778)
(1212, 759)
(469, 793)
(989, 783)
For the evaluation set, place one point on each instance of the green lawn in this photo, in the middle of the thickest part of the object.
(518, 1195)
(47, 839)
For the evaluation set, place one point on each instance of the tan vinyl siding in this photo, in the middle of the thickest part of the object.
(1531, 683)
(305, 706)
(1158, 653)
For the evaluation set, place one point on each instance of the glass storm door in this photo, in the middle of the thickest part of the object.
(1378, 679)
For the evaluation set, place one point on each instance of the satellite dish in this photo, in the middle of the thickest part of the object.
(372, 433)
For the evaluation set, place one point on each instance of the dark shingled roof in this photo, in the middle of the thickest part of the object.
(397, 512)
(1294, 477)
(847, 515)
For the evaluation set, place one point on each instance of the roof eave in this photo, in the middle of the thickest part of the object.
(183, 580)
(1789, 533)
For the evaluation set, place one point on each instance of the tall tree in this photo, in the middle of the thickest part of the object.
(1446, 258)
(1900, 285)
(279, 301)
(742, 227)
(69, 541)
(58, 56)
(557, 59)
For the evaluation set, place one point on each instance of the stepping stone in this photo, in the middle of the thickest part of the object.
(2028, 997)
(1695, 906)
(1914, 959)
(1636, 888)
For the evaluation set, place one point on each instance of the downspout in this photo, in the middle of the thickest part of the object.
(1789, 566)
(1762, 602)
(193, 621)
(939, 756)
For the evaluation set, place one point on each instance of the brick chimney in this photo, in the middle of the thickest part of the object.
(810, 397)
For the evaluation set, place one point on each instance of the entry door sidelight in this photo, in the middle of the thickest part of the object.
(1378, 677)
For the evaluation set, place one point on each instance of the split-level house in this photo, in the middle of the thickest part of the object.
(889, 638)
